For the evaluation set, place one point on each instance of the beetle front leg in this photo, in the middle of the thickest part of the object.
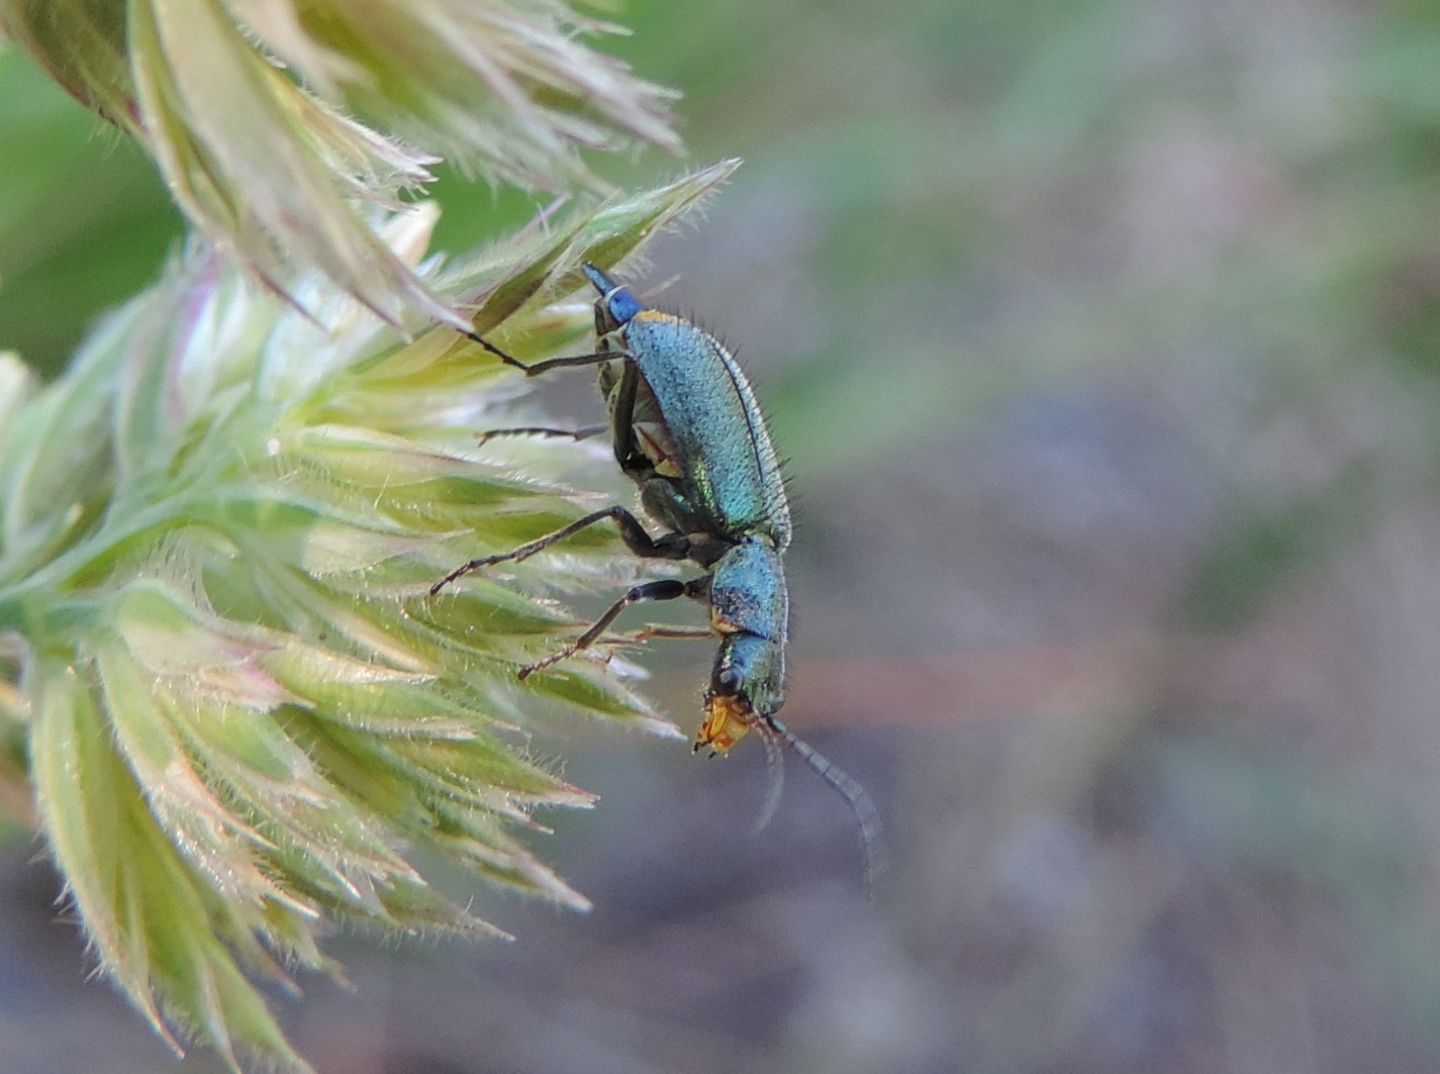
(644, 634)
(664, 589)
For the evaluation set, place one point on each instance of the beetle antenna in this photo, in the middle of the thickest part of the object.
(774, 778)
(867, 817)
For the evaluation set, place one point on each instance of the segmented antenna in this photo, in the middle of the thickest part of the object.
(774, 779)
(867, 817)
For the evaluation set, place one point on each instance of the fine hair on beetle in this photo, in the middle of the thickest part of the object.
(686, 428)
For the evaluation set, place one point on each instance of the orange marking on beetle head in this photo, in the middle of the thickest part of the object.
(727, 721)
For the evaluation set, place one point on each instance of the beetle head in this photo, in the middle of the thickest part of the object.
(727, 720)
(745, 690)
(749, 610)
(617, 303)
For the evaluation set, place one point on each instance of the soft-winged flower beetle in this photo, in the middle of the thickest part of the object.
(686, 428)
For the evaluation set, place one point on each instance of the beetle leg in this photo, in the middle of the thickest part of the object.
(646, 633)
(536, 368)
(667, 546)
(664, 589)
(622, 414)
(583, 433)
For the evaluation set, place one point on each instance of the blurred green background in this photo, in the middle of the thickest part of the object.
(1102, 339)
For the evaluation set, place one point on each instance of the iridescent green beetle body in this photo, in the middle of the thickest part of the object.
(687, 429)
(685, 426)
(726, 463)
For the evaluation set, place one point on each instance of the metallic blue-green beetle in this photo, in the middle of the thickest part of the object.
(686, 428)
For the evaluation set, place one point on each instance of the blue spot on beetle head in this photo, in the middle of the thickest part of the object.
(620, 303)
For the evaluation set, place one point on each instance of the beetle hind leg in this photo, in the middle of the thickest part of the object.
(535, 369)
(545, 431)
